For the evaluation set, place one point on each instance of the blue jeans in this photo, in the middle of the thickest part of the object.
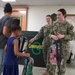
(1, 60)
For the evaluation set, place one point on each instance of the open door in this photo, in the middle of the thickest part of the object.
(20, 12)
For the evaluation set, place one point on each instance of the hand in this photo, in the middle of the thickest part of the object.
(31, 40)
(60, 36)
(54, 37)
(27, 54)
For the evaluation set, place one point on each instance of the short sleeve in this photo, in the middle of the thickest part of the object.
(8, 22)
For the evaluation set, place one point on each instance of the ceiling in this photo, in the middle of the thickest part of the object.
(42, 2)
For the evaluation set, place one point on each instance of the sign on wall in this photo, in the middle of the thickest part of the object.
(35, 50)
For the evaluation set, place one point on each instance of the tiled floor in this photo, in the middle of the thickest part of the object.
(39, 71)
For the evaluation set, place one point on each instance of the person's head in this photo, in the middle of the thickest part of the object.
(61, 14)
(16, 21)
(8, 8)
(48, 19)
(16, 29)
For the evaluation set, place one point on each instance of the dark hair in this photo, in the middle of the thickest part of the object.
(48, 15)
(63, 11)
(16, 21)
(15, 27)
(8, 8)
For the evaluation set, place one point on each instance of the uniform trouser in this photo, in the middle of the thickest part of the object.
(46, 51)
(52, 68)
(1, 60)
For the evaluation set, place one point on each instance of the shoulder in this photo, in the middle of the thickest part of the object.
(15, 41)
(9, 18)
(69, 25)
(43, 27)
(6, 18)
(56, 23)
(46, 26)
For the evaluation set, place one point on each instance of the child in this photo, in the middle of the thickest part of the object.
(11, 49)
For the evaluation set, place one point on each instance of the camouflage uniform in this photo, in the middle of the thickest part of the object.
(65, 29)
(46, 40)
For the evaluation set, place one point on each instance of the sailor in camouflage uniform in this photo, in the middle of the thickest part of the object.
(64, 31)
(46, 40)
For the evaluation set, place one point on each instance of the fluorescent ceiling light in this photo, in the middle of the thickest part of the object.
(22, 11)
(9, 0)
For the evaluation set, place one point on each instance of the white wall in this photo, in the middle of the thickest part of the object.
(36, 15)
(1, 12)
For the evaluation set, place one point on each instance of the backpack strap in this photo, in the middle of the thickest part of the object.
(23, 43)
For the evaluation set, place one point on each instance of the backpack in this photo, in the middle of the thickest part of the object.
(28, 62)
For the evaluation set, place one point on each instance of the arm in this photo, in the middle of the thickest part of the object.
(6, 31)
(70, 33)
(5, 48)
(68, 36)
(51, 34)
(39, 35)
(6, 28)
(16, 51)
